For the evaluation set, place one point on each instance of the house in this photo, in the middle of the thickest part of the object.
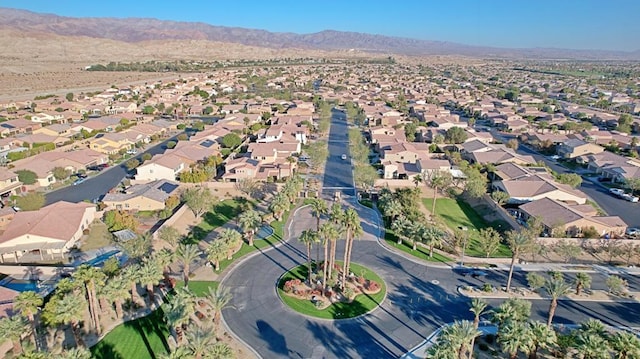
(524, 186)
(142, 197)
(611, 165)
(271, 151)
(14, 127)
(41, 167)
(240, 168)
(55, 130)
(110, 143)
(6, 216)
(406, 152)
(49, 232)
(9, 183)
(571, 219)
(160, 167)
(573, 148)
(479, 152)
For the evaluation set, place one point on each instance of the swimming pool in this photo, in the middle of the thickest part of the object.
(21, 285)
(99, 260)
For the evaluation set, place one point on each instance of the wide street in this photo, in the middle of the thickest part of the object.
(420, 297)
(338, 174)
(96, 186)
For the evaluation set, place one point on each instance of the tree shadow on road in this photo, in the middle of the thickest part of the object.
(277, 342)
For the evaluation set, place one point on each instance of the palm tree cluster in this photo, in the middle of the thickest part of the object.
(340, 222)
(194, 336)
(401, 213)
(518, 334)
(286, 197)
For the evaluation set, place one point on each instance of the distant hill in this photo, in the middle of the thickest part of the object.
(135, 30)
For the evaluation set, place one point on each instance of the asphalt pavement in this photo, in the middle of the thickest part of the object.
(338, 174)
(96, 186)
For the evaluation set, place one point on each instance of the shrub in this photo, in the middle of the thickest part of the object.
(487, 287)
(373, 286)
(348, 292)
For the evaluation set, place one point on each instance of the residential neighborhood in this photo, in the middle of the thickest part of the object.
(447, 166)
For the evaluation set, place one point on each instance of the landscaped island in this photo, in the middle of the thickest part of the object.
(362, 292)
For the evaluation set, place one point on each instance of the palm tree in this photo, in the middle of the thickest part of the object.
(178, 353)
(199, 339)
(625, 345)
(217, 251)
(441, 350)
(130, 275)
(336, 213)
(351, 222)
(250, 221)
(13, 328)
(582, 281)
(417, 179)
(329, 233)
(307, 237)
(438, 181)
(218, 299)
(417, 232)
(74, 353)
(220, 350)
(556, 288)
(592, 346)
(459, 335)
(594, 326)
(69, 310)
(318, 208)
(543, 337)
(279, 204)
(91, 277)
(400, 226)
(478, 306)
(28, 304)
(232, 239)
(150, 276)
(392, 209)
(186, 254)
(177, 312)
(432, 236)
(519, 242)
(116, 290)
(514, 337)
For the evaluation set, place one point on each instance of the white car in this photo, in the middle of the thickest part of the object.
(555, 157)
(617, 191)
(633, 231)
(344, 157)
(630, 198)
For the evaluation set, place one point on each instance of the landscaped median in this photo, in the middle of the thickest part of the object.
(488, 291)
(365, 290)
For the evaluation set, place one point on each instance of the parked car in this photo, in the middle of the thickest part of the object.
(79, 180)
(344, 157)
(633, 231)
(630, 197)
(616, 192)
(555, 157)
(604, 179)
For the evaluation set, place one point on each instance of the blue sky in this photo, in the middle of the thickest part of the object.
(574, 24)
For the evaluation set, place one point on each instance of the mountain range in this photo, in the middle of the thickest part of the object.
(144, 30)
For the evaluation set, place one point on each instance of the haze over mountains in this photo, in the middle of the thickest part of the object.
(136, 30)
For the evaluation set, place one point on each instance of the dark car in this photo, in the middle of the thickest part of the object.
(473, 272)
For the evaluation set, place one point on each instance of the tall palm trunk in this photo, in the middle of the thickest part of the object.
(513, 263)
(309, 262)
(76, 336)
(332, 258)
(552, 310)
(433, 206)
(476, 323)
(216, 264)
(325, 269)
(150, 293)
(347, 251)
(118, 304)
(186, 274)
(134, 289)
(17, 346)
(93, 307)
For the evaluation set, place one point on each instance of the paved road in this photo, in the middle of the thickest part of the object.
(628, 211)
(338, 173)
(95, 187)
(419, 300)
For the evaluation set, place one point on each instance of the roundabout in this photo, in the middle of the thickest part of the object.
(362, 294)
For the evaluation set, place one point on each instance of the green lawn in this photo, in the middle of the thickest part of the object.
(222, 212)
(362, 304)
(198, 287)
(456, 213)
(141, 339)
(423, 253)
